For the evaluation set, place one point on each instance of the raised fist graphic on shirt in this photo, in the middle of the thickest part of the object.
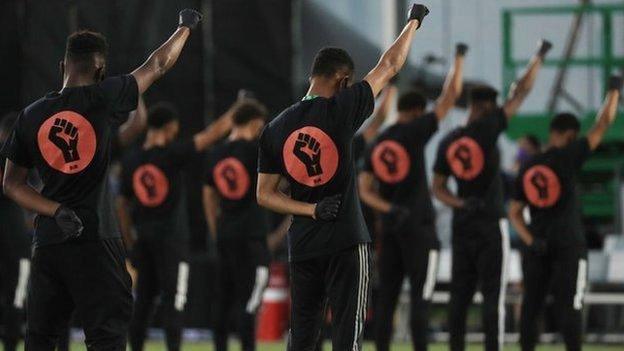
(463, 155)
(64, 135)
(389, 159)
(541, 184)
(229, 174)
(149, 183)
(308, 150)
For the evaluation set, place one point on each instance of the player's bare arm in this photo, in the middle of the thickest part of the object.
(521, 88)
(452, 84)
(134, 126)
(394, 58)
(125, 221)
(16, 187)
(215, 130)
(369, 194)
(443, 193)
(606, 115)
(270, 196)
(516, 217)
(372, 128)
(210, 199)
(163, 58)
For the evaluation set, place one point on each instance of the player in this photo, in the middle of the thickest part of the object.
(151, 186)
(309, 144)
(238, 225)
(78, 257)
(555, 252)
(394, 182)
(480, 239)
(14, 253)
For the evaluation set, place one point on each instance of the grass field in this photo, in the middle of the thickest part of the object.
(190, 346)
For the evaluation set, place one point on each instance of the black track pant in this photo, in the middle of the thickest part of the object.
(242, 277)
(414, 255)
(14, 273)
(162, 271)
(480, 255)
(88, 277)
(565, 273)
(339, 281)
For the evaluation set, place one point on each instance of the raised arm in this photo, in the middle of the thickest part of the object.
(372, 128)
(134, 126)
(607, 112)
(211, 210)
(453, 84)
(215, 131)
(369, 195)
(521, 88)
(163, 58)
(394, 58)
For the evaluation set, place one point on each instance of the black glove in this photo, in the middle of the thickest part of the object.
(327, 209)
(544, 47)
(539, 246)
(418, 12)
(398, 215)
(473, 204)
(69, 222)
(189, 18)
(461, 49)
(615, 83)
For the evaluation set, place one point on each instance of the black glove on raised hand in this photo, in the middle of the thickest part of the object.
(327, 209)
(539, 247)
(473, 204)
(418, 12)
(461, 49)
(615, 83)
(189, 18)
(68, 221)
(398, 215)
(544, 47)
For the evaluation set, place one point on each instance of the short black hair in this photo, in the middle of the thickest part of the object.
(413, 99)
(330, 60)
(82, 45)
(533, 140)
(249, 110)
(160, 114)
(564, 122)
(483, 93)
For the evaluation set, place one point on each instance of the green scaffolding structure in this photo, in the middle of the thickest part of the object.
(601, 178)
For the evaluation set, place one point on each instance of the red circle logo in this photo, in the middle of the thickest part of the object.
(150, 184)
(67, 142)
(310, 156)
(465, 158)
(391, 162)
(541, 186)
(231, 178)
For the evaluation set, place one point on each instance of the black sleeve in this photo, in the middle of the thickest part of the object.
(423, 127)
(355, 104)
(125, 188)
(267, 160)
(15, 148)
(441, 165)
(183, 152)
(121, 94)
(577, 153)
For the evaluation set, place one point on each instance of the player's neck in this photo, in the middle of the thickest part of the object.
(320, 87)
(154, 139)
(404, 118)
(77, 80)
(238, 133)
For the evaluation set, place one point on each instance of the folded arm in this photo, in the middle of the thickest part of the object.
(443, 193)
(369, 195)
(270, 196)
(16, 187)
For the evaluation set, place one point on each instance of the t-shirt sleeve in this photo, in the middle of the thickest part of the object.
(121, 94)
(183, 152)
(267, 160)
(577, 153)
(423, 127)
(16, 149)
(441, 165)
(355, 104)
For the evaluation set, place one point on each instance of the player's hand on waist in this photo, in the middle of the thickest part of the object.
(538, 246)
(473, 204)
(68, 221)
(327, 209)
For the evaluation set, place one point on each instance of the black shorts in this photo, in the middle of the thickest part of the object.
(89, 278)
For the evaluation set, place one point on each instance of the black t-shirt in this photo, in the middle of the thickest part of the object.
(397, 159)
(547, 183)
(152, 180)
(310, 144)
(470, 155)
(232, 172)
(14, 240)
(67, 137)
